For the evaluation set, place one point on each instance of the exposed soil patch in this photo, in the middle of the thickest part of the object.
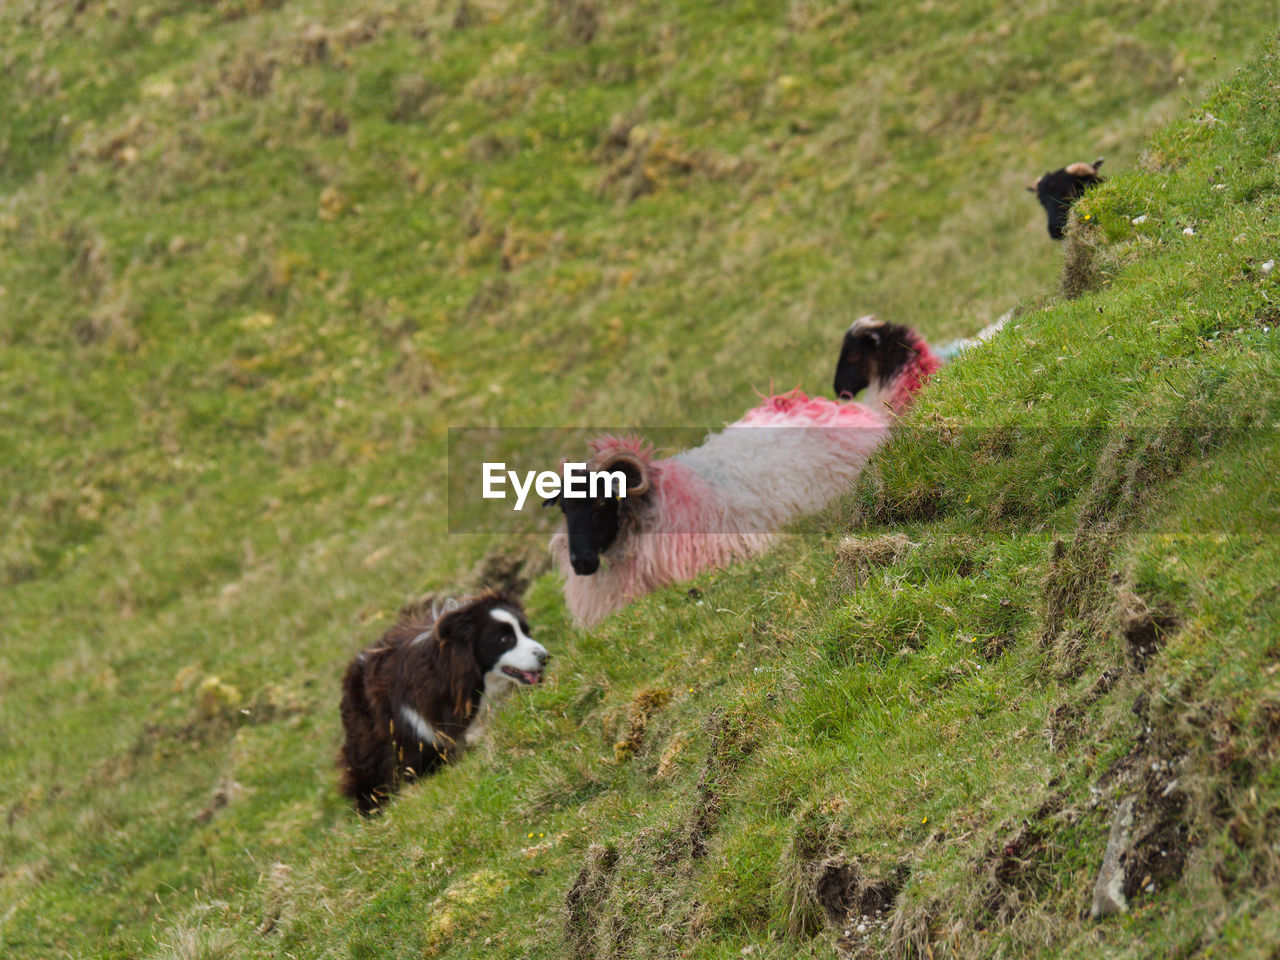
(225, 792)
(846, 894)
(819, 883)
(732, 741)
(253, 73)
(993, 648)
(509, 570)
(578, 21)
(1064, 721)
(587, 897)
(1075, 585)
(643, 706)
(416, 98)
(1081, 267)
(858, 556)
(1161, 837)
(861, 908)
(911, 503)
(318, 43)
(995, 444)
(1151, 779)
(650, 159)
(1143, 627)
(1017, 868)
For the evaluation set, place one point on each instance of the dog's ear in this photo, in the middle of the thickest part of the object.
(456, 636)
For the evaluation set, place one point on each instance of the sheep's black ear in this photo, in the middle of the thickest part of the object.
(1097, 163)
(550, 501)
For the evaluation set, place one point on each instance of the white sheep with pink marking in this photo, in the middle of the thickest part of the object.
(726, 499)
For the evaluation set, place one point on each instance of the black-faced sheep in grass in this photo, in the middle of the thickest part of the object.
(1059, 189)
(724, 500)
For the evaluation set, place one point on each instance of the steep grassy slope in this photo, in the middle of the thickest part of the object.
(258, 256)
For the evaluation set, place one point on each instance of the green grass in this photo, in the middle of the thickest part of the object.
(257, 257)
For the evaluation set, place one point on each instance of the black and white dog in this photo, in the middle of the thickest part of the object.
(1059, 189)
(409, 700)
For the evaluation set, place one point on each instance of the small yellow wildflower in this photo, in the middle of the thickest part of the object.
(925, 820)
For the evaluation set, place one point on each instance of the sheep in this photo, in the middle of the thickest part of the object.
(724, 500)
(1058, 190)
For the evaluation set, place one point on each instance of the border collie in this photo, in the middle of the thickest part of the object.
(408, 700)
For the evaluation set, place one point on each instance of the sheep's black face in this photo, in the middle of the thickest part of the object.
(871, 354)
(1059, 189)
(592, 525)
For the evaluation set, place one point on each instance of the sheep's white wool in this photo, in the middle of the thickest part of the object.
(773, 467)
(722, 501)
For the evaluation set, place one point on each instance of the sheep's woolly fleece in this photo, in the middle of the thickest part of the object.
(721, 501)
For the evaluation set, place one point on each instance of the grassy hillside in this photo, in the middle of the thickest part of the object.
(257, 256)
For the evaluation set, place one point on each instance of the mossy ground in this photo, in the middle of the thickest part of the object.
(258, 256)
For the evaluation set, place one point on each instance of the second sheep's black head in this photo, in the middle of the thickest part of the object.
(1059, 189)
(871, 353)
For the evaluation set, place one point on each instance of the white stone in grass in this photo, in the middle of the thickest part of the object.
(1268, 267)
(1188, 231)
(1108, 891)
(1138, 221)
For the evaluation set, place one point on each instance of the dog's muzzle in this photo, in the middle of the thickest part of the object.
(527, 677)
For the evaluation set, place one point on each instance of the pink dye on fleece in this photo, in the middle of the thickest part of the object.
(913, 376)
(673, 544)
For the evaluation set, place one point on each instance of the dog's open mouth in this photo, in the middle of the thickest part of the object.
(528, 677)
